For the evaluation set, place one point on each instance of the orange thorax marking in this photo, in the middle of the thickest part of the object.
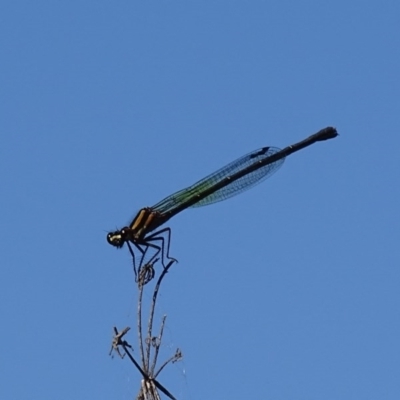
(146, 221)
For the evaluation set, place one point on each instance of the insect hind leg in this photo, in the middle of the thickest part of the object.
(164, 237)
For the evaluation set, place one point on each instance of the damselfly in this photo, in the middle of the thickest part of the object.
(228, 181)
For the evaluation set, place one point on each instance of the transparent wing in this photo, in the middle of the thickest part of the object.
(230, 190)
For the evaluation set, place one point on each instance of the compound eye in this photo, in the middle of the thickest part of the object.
(124, 231)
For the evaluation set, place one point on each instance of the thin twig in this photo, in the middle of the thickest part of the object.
(162, 388)
(176, 357)
(117, 341)
(152, 308)
(145, 376)
(141, 349)
(157, 346)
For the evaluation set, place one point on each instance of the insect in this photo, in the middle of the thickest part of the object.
(144, 231)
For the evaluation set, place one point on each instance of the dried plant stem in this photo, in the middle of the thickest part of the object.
(150, 387)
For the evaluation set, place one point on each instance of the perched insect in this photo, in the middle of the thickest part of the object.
(228, 181)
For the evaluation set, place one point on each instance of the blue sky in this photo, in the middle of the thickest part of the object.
(288, 291)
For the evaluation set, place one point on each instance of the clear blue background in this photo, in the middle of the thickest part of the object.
(289, 291)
